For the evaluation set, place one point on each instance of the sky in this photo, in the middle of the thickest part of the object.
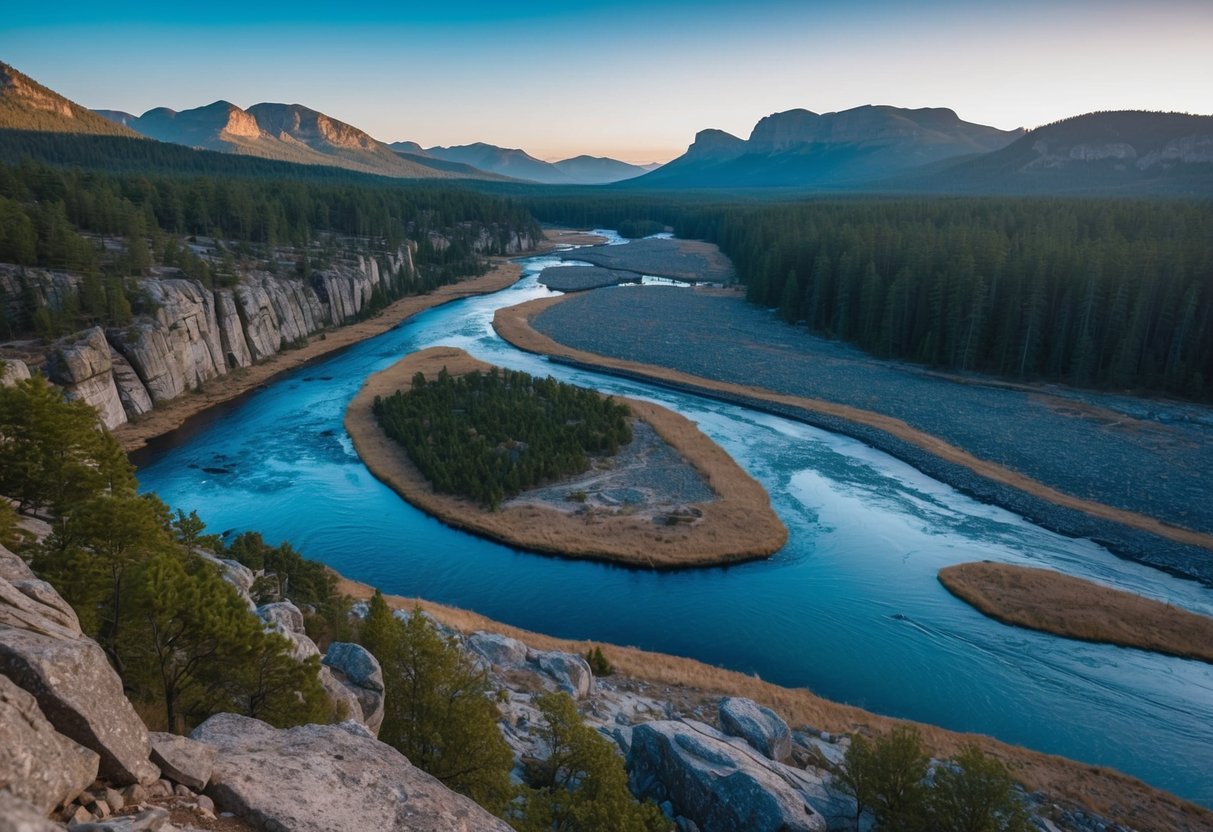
(632, 80)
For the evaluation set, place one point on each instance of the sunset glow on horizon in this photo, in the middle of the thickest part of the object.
(634, 81)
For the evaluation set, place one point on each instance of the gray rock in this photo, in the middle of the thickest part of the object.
(81, 365)
(498, 650)
(24, 611)
(149, 820)
(16, 815)
(570, 672)
(82, 696)
(759, 726)
(13, 567)
(182, 760)
(38, 765)
(284, 613)
(715, 784)
(344, 700)
(231, 333)
(131, 392)
(12, 371)
(353, 666)
(318, 778)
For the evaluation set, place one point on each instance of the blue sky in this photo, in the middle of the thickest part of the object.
(634, 80)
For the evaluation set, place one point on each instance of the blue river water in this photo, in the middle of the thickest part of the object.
(850, 608)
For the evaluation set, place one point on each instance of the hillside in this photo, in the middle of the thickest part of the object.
(511, 162)
(27, 105)
(597, 170)
(1126, 150)
(282, 132)
(799, 148)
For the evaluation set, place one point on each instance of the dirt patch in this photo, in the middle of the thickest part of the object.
(514, 325)
(172, 415)
(1040, 599)
(737, 525)
(1102, 790)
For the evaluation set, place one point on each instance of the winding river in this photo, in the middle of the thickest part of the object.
(850, 608)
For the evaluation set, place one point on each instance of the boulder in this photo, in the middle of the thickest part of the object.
(12, 371)
(30, 604)
(81, 365)
(81, 695)
(498, 650)
(282, 613)
(16, 815)
(570, 672)
(317, 778)
(37, 764)
(344, 700)
(761, 727)
(183, 760)
(131, 392)
(152, 819)
(354, 667)
(716, 783)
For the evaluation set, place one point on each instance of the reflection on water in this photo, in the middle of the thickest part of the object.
(850, 608)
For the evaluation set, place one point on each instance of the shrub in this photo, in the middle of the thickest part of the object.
(886, 778)
(975, 794)
(599, 665)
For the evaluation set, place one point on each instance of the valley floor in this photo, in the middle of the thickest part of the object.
(1131, 473)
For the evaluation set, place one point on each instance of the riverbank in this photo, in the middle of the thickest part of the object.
(1101, 790)
(737, 525)
(619, 321)
(172, 415)
(1062, 605)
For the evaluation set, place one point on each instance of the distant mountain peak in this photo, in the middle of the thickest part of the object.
(27, 105)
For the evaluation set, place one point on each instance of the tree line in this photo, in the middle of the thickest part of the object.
(105, 228)
(489, 436)
(1107, 293)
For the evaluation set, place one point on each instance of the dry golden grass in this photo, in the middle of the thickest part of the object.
(1040, 599)
(738, 525)
(1098, 789)
(514, 325)
(172, 415)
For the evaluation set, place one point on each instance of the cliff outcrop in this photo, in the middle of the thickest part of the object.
(188, 334)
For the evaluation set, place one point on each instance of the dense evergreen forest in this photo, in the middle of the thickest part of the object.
(1109, 293)
(489, 436)
(109, 227)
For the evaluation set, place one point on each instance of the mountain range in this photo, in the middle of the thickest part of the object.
(871, 149)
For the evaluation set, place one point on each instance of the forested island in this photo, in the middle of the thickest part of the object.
(539, 432)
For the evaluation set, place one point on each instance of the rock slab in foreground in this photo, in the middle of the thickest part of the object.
(81, 695)
(761, 727)
(183, 760)
(318, 778)
(18, 816)
(38, 765)
(715, 784)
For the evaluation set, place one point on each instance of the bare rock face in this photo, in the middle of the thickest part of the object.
(317, 778)
(131, 392)
(82, 366)
(12, 371)
(16, 815)
(761, 727)
(179, 347)
(718, 783)
(358, 671)
(36, 764)
(498, 650)
(231, 331)
(81, 696)
(183, 760)
(282, 613)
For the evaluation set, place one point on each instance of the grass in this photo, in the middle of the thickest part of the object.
(738, 525)
(1040, 599)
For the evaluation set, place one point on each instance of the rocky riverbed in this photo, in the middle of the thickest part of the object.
(1095, 446)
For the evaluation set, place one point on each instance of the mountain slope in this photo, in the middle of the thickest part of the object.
(283, 132)
(27, 105)
(597, 170)
(1132, 149)
(511, 162)
(799, 148)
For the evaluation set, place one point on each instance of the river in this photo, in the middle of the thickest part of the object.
(849, 608)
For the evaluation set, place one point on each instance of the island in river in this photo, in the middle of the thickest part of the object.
(671, 498)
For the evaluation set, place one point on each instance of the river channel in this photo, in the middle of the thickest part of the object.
(850, 608)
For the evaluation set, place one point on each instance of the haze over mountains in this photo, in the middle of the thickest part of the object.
(869, 148)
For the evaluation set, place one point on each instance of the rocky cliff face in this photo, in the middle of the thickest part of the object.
(192, 335)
